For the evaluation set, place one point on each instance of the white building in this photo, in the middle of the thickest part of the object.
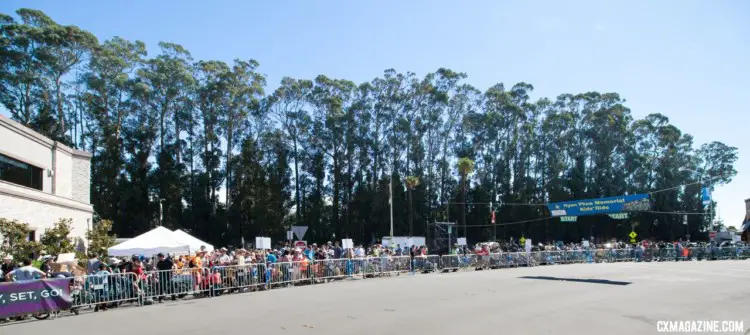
(42, 181)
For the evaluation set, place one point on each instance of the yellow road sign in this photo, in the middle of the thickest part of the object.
(522, 240)
(632, 240)
(633, 234)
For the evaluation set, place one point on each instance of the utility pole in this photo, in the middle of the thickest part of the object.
(390, 198)
(390, 201)
(494, 222)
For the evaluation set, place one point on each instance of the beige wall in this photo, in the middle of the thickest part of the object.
(68, 170)
(41, 210)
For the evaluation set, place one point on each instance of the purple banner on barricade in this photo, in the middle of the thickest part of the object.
(21, 298)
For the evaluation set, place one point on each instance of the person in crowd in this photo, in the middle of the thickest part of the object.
(223, 258)
(164, 266)
(25, 273)
(359, 251)
(297, 256)
(310, 251)
(399, 251)
(271, 258)
(240, 257)
(287, 256)
(101, 289)
(196, 261)
(321, 253)
(7, 266)
(46, 265)
(93, 264)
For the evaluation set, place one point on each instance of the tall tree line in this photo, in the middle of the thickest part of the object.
(228, 160)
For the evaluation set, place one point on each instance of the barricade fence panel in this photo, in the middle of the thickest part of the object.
(106, 289)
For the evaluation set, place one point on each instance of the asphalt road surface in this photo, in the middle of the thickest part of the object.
(618, 298)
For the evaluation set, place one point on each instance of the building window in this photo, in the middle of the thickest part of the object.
(17, 172)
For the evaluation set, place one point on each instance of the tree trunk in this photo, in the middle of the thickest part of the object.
(296, 181)
(60, 113)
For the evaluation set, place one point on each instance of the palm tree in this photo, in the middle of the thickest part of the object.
(411, 183)
(465, 168)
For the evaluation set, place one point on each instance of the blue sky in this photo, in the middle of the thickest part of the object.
(689, 60)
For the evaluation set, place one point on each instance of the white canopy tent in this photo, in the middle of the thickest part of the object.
(158, 240)
(194, 243)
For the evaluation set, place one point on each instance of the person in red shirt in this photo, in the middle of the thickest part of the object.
(483, 251)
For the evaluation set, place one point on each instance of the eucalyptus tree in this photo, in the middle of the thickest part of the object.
(168, 79)
(288, 105)
(37, 54)
(173, 128)
(331, 100)
(108, 84)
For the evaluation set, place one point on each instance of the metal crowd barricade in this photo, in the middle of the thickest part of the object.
(536, 258)
(402, 264)
(330, 269)
(482, 262)
(698, 253)
(727, 253)
(497, 260)
(449, 263)
(370, 266)
(522, 258)
(551, 257)
(105, 290)
(623, 255)
(648, 255)
(239, 278)
(457, 262)
(667, 254)
(513, 259)
(427, 263)
(180, 283)
(117, 288)
(357, 267)
(567, 257)
(289, 273)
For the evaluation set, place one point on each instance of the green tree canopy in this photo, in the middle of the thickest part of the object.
(198, 145)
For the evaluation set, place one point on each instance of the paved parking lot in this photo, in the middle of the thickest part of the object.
(615, 298)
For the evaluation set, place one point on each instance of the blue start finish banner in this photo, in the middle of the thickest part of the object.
(626, 203)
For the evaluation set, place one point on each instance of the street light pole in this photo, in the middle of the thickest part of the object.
(390, 200)
(161, 215)
(494, 226)
(494, 217)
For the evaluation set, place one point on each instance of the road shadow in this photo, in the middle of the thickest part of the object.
(578, 280)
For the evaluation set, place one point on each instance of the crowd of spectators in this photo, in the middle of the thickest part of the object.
(139, 265)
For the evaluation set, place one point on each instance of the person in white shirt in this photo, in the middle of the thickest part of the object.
(25, 273)
(359, 252)
(224, 258)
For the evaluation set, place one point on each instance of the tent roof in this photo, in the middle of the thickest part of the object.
(158, 240)
(194, 243)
